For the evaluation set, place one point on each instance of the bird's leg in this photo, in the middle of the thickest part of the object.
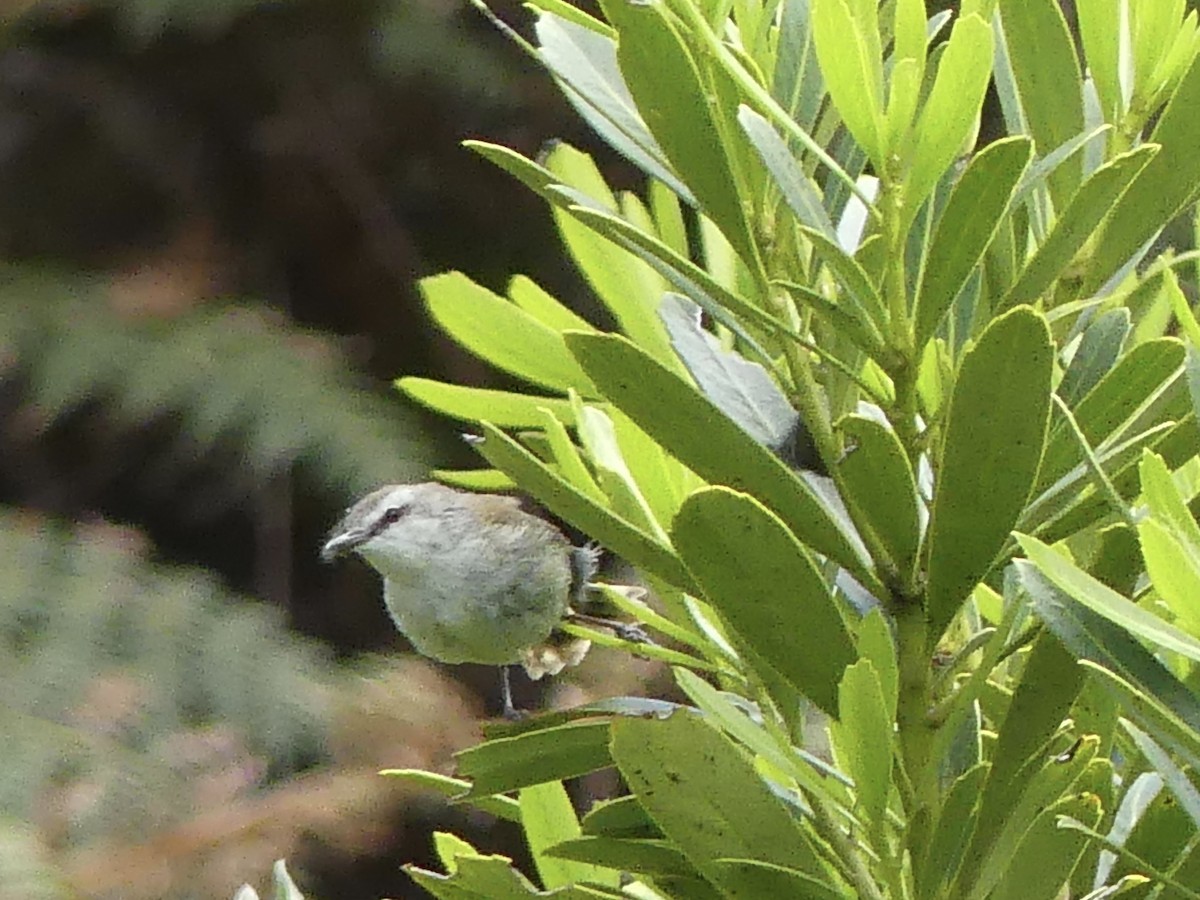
(626, 631)
(509, 711)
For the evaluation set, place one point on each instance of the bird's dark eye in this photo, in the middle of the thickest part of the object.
(394, 514)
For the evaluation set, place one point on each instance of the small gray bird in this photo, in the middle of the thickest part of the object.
(473, 578)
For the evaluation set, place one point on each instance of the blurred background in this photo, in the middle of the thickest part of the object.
(212, 217)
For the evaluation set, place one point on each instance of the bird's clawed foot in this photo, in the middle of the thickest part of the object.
(509, 712)
(626, 631)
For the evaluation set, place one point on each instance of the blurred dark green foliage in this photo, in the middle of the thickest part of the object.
(212, 215)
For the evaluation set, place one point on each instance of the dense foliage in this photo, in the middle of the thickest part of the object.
(896, 424)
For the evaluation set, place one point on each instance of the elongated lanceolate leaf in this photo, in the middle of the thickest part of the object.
(798, 191)
(585, 63)
(767, 588)
(1154, 698)
(1088, 207)
(548, 819)
(700, 436)
(951, 110)
(995, 434)
(1103, 600)
(1163, 188)
(501, 332)
(625, 284)
(973, 214)
(846, 33)
(677, 107)
(741, 389)
(880, 487)
(707, 797)
(504, 408)
(536, 757)
(1097, 353)
(1043, 78)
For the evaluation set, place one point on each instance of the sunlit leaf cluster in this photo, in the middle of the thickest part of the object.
(896, 423)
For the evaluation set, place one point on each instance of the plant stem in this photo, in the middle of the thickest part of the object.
(856, 868)
(916, 734)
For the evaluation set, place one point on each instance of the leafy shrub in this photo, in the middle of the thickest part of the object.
(995, 438)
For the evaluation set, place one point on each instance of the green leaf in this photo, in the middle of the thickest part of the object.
(843, 319)
(619, 818)
(995, 433)
(908, 73)
(668, 217)
(1074, 503)
(741, 719)
(1088, 207)
(767, 588)
(496, 804)
(1046, 81)
(1097, 354)
(950, 113)
(471, 404)
(570, 465)
(1102, 599)
(599, 439)
(846, 34)
(950, 834)
(904, 92)
(625, 284)
(535, 757)
(733, 715)
(584, 60)
(473, 876)
(880, 489)
(875, 643)
(572, 14)
(1174, 569)
(1159, 835)
(1099, 24)
(1166, 503)
(798, 190)
(1163, 189)
(501, 333)
(670, 764)
(1051, 781)
(543, 306)
(724, 306)
(635, 309)
(1048, 853)
(860, 298)
(1121, 397)
(910, 30)
(750, 879)
(573, 505)
(1045, 164)
(1152, 696)
(977, 205)
(651, 857)
(1154, 31)
(665, 83)
(1048, 687)
(486, 480)
(862, 740)
(691, 428)
(1173, 776)
(548, 819)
